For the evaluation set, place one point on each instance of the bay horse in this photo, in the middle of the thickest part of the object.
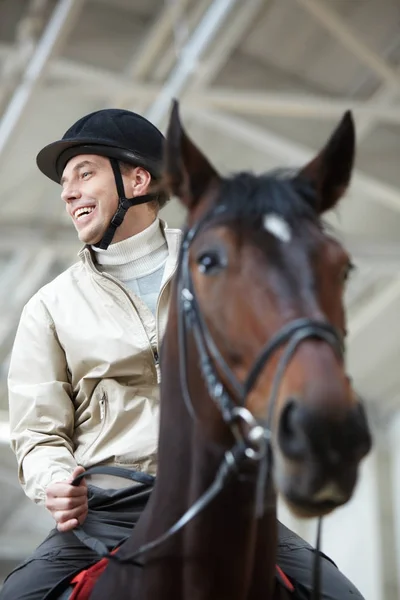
(255, 399)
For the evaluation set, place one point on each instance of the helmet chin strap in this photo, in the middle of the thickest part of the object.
(123, 205)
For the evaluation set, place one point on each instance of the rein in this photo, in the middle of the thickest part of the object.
(253, 442)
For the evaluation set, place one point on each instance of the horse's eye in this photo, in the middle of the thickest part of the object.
(346, 272)
(210, 263)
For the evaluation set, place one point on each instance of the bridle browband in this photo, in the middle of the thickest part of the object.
(251, 442)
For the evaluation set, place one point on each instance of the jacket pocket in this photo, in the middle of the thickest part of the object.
(98, 423)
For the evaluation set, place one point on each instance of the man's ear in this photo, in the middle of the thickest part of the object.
(330, 171)
(187, 172)
(140, 182)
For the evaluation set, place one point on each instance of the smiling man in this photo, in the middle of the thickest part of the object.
(84, 374)
(86, 182)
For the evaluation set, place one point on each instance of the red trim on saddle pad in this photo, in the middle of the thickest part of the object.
(284, 579)
(85, 581)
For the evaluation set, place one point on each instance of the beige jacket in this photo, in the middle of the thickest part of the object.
(83, 379)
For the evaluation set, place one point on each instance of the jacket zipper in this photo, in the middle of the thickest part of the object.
(155, 354)
(102, 403)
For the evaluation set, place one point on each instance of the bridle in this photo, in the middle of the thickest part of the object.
(252, 440)
(211, 361)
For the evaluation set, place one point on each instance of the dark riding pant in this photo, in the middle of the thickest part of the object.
(296, 559)
(111, 517)
(115, 512)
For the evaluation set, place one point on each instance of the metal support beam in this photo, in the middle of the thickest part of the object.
(279, 104)
(291, 152)
(26, 34)
(190, 55)
(95, 81)
(58, 27)
(185, 23)
(350, 39)
(227, 42)
(156, 39)
(383, 99)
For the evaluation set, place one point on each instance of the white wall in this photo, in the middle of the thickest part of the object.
(351, 535)
(394, 440)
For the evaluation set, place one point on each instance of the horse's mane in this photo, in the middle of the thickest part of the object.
(281, 192)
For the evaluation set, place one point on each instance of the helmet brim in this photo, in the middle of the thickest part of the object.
(53, 158)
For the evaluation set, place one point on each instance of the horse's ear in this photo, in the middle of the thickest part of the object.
(330, 171)
(187, 172)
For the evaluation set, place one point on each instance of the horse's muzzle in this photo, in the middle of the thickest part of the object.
(317, 455)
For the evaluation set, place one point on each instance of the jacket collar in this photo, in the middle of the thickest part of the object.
(173, 238)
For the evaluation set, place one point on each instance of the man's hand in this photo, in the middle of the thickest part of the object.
(67, 503)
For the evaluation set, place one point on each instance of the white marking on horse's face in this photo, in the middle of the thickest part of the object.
(278, 227)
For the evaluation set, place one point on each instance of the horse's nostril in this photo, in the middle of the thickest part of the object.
(358, 431)
(291, 432)
(303, 432)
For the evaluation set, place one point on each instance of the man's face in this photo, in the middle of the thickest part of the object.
(90, 194)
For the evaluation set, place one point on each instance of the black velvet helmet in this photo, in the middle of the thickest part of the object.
(120, 135)
(111, 132)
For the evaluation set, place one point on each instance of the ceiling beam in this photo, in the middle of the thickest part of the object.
(351, 40)
(155, 41)
(188, 58)
(96, 82)
(184, 24)
(275, 104)
(54, 35)
(382, 102)
(227, 42)
(281, 104)
(383, 98)
(25, 40)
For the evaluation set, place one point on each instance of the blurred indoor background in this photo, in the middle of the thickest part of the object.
(262, 83)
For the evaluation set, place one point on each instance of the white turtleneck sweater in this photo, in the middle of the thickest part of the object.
(138, 262)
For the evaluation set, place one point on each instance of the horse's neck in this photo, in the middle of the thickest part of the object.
(235, 552)
(224, 552)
